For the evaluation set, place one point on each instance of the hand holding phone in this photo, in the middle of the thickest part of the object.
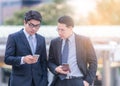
(65, 67)
(36, 56)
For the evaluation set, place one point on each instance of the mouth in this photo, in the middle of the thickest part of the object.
(32, 32)
(61, 37)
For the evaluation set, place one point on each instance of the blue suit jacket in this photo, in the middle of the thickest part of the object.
(22, 75)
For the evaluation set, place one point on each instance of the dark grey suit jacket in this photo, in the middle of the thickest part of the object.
(22, 75)
(85, 54)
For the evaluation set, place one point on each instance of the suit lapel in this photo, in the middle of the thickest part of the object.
(59, 43)
(37, 43)
(79, 48)
(79, 52)
(24, 39)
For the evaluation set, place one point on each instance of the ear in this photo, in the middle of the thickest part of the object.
(70, 27)
(25, 22)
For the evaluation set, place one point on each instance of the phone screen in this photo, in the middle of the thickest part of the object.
(36, 55)
(65, 67)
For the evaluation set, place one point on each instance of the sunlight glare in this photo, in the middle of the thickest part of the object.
(82, 7)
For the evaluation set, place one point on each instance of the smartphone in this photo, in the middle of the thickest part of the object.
(36, 56)
(65, 67)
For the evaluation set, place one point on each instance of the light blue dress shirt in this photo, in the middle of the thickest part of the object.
(72, 61)
(34, 40)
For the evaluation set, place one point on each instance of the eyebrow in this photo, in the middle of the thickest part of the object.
(34, 24)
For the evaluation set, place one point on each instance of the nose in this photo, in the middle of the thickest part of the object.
(59, 33)
(34, 28)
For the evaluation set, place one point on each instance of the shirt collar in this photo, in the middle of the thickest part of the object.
(72, 37)
(27, 35)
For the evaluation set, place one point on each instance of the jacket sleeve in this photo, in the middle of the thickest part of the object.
(51, 59)
(10, 57)
(92, 62)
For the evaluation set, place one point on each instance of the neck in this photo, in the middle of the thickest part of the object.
(70, 34)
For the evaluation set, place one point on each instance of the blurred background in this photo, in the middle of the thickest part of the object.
(97, 19)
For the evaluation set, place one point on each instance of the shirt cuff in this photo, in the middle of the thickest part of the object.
(22, 62)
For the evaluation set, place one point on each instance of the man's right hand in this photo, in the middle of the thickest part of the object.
(29, 59)
(60, 70)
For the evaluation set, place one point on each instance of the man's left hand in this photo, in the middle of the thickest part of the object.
(85, 83)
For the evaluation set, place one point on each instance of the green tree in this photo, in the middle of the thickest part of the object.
(17, 19)
(59, 1)
(107, 13)
(49, 11)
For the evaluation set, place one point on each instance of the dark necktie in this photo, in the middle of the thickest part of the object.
(65, 52)
(64, 57)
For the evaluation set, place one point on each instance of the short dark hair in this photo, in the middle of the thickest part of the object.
(66, 20)
(32, 15)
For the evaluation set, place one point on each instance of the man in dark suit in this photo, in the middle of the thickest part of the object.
(26, 52)
(80, 66)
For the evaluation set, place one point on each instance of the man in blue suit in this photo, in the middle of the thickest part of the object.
(27, 70)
